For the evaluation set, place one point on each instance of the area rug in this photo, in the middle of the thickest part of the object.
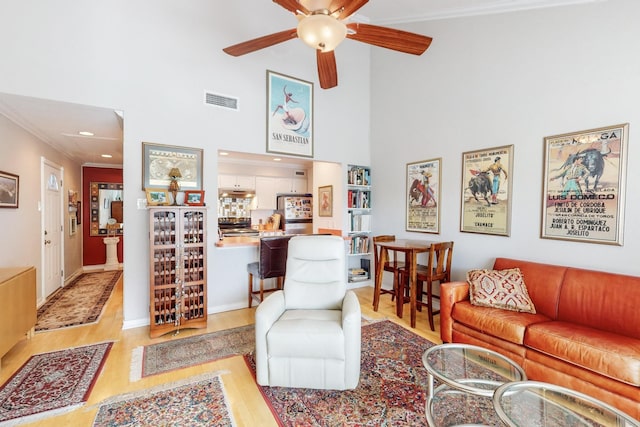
(51, 383)
(183, 352)
(199, 401)
(79, 303)
(392, 390)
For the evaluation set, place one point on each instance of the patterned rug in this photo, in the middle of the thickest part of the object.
(197, 401)
(183, 352)
(392, 389)
(79, 303)
(51, 383)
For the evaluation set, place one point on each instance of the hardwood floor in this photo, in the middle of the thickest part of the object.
(247, 404)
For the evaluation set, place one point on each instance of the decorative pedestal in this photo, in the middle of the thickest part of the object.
(112, 253)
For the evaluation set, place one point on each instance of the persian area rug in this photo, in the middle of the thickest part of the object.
(51, 383)
(392, 390)
(184, 352)
(199, 401)
(79, 303)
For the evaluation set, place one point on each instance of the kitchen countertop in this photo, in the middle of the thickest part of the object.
(230, 242)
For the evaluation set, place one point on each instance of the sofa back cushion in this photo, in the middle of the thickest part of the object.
(543, 282)
(600, 300)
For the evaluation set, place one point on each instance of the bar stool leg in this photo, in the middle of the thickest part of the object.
(250, 289)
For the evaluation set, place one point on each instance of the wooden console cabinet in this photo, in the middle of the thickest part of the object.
(178, 268)
(19, 312)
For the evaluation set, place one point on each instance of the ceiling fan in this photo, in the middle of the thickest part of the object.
(323, 25)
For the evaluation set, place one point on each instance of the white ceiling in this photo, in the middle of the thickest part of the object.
(58, 123)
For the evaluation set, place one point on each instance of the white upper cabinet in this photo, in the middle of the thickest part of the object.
(237, 182)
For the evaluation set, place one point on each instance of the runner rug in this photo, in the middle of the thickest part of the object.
(79, 303)
(184, 352)
(392, 390)
(199, 401)
(51, 383)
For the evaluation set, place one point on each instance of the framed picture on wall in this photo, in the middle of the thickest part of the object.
(486, 191)
(9, 190)
(325, 195)
(423, 196)
(584, 185)
(158, 160)
(289, 115)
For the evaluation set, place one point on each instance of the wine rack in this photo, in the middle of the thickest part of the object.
(178, 272)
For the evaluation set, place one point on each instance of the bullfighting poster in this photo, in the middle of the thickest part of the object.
(486, 191)
(423, 196)
(584, 177)
(289, 115)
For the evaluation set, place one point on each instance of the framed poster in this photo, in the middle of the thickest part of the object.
(325, 194)
(289, 115)
(584, 185)
(158, 160)
(423, 196)
(486, 191)
(9, 190)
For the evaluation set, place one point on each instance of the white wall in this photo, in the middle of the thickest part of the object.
(153, 59)
(508, 79)
(22, 236)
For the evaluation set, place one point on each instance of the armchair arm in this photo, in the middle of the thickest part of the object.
(267, 313)
(351, 327)
(450, 293)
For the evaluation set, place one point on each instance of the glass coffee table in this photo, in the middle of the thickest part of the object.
(533, 403)
(469, 376)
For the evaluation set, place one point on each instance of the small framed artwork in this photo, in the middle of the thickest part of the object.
(423, 196)
(486, 191)
(157, 196)
(584, 185)
(325, 195)
(9, 190)
(158, 160)
(194, 198)
(289, 115)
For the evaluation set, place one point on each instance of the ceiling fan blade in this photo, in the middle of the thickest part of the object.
(350, 7)
(292, 6)
(327, 71)
(261, 42)
(390, 38)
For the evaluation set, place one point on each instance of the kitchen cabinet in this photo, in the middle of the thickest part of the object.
(237, 182)
(178, 269)
(292, 185)
(266, 192)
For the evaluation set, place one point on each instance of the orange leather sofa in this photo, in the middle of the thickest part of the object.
(584, 336)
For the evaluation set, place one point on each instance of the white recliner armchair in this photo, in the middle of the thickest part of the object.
(308, 334)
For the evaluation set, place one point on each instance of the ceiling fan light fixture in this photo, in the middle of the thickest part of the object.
(322, 32)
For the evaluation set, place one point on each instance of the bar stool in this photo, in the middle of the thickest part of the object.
(273, 263)
(394, 265)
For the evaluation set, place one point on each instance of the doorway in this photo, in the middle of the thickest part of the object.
(52, 227)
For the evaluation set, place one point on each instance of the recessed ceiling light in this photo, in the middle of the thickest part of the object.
(276, 159)
(85, 133)
(107, 156)
(224, 153)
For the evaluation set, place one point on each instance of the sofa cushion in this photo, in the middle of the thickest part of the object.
(612, 355)
(505, 324)
(544, 282)
(500, 289)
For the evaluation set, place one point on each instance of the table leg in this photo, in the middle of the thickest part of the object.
(378, 284)
(413, 287)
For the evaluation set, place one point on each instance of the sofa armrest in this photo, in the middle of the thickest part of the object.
(450, 293)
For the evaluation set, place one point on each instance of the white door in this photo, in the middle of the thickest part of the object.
(52, 239)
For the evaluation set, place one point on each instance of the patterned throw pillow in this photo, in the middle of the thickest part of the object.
(500, 289)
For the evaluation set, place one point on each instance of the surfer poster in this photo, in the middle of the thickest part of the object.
(289, 115)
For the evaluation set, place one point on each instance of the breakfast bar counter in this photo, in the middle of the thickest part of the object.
(230, 242)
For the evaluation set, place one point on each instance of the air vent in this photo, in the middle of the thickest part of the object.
(300, 173)
(222, 101)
